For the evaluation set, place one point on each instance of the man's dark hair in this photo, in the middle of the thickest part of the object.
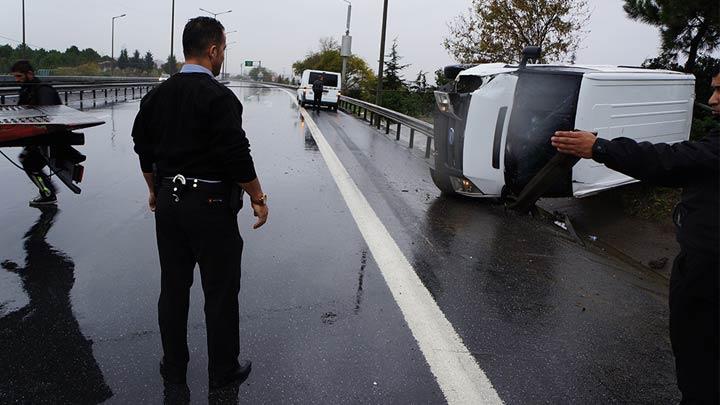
(715, 70)
(200, 33)
(22, 66)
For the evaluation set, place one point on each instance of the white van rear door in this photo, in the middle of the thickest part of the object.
(652, 107)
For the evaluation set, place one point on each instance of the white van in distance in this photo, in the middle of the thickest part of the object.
(331, 90)
(493, 128)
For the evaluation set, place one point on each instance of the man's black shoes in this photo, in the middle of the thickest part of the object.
(237, 376)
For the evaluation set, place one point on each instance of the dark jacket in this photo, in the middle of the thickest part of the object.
(192, 125)
(34, 92)
(318, 87)
(692, 165)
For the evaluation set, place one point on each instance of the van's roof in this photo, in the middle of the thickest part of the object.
(488, 69)
(321, 71)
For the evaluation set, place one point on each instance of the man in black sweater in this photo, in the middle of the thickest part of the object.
(195, 156)
(33, 92)
(695, 167)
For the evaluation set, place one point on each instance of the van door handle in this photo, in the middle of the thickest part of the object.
(499, 126)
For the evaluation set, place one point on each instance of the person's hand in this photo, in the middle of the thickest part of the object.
(261, 212)
(576, 143)
(151, 202)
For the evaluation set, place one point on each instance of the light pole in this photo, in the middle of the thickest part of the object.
(224, 69)
(171, 67)
(227, 46)
(215, 14)
(346, 50)
(378, 97)
(112, 41)
(23, 23)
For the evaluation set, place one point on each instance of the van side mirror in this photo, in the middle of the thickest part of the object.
(451, 72)
(530, 53)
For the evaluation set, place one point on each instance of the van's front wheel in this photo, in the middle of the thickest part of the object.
(442, 181)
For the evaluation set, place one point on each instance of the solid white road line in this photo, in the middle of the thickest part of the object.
(458, 374)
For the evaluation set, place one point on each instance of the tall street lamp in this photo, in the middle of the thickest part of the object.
(171, 67)
(227, 46)
(23, 23)
(215, 14)
(378, 97)
(224, 69)
(112, 41)
(346, 50)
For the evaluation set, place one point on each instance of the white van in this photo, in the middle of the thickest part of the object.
(492, 130)
(331, 90)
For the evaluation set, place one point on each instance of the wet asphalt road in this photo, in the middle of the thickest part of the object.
(547, 321)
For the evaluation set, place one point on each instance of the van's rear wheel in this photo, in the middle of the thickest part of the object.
(442, 181)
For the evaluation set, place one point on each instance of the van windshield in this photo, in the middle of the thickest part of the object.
(330, 80)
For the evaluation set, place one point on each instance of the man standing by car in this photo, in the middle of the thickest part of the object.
(318, 88)
(194, 153)
(695, 167)
(35, 93)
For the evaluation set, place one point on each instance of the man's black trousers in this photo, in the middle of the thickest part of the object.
(694, 326)
(318, 102)
(200, 228)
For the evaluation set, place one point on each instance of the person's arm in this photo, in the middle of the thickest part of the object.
(670, 165)
(144, 148)
(234, 148)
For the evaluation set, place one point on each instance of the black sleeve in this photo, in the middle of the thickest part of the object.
(229, 139)
(46, 95)
(143, 141)
(669, 165)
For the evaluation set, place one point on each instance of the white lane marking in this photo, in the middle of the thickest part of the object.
(458, 374)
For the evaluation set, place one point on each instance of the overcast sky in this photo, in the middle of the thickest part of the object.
(279, 32)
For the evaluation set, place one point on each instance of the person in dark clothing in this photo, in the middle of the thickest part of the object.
(318, 88)
(695, 167)
(195, 157)
(33, 92)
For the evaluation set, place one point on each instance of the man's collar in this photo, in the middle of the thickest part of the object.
(192, 68)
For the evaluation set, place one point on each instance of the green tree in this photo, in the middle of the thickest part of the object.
(498, 30)
(687, 27)
(123, 61)
(170, 66)
(261, 74)
(135, 61)
(360, 78)
(392, 74)
(149, 62)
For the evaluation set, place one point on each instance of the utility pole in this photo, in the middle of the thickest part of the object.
(112, 42)
(24, 25)
(346, 50)
(378, 97)
(171, 68)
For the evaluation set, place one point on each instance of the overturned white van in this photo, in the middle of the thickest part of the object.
(493, 128)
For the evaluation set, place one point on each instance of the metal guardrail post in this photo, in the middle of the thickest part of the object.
(428, 145)
(125, 89)
(105, 96)
(365, 115)
(397, 136)
(116, 89)
(133, 92)
(387, 126)
(412, 138)
(2, 99)
(81, 99)
(94, 105)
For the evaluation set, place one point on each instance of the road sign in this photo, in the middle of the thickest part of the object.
(248, 63)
